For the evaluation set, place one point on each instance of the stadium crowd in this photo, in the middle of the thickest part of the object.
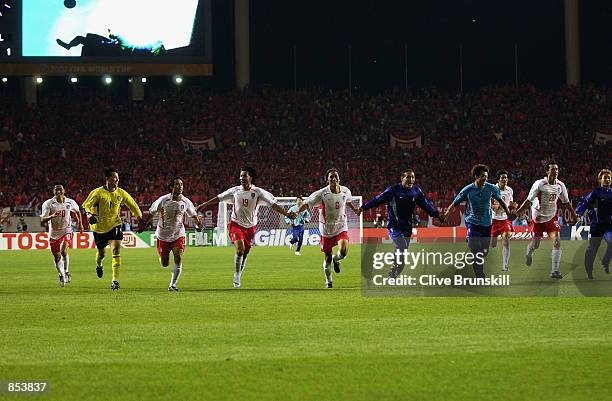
(291, 138)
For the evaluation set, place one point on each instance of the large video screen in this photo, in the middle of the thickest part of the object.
(92, 37)
(113, 28)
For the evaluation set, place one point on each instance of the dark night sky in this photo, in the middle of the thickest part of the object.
(431, 31)
(379, 31)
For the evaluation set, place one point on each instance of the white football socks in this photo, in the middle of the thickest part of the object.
(328, 271)
(66, 263)
(556, 259)
(505, 255)
(237, 263)
(243, 264)
(176, 273)
(530, 249)
(59, 265)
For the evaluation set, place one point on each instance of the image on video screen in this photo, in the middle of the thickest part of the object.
(111, 28)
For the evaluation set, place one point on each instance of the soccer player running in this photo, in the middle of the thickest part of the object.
(598, 203)
(401, 199)
(170, 231)
(297, 225)
(246, 199)
(333, 224)
(103, 207)
(478, 216)
(58, 212)
(544, 195)
(502, 225)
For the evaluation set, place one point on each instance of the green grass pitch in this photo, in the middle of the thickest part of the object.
(284, 337)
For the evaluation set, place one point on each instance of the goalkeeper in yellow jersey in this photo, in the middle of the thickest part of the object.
(103, 206)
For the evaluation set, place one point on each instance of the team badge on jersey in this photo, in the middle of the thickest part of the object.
(182, 207)
(253, 195)
(118, 198)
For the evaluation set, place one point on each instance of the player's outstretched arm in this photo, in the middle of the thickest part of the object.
(498, 199)
(526, 204)
(511, 215)
(208, 203)
(198, 222)
(574, 217)
(444, 216)
(427, 205)
(291, 215)
(357, 211)
(585, 205)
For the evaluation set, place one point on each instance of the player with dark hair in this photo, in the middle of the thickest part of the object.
(333, 224)
(401, 199)
(170, 231)
(598, 204)
(543, 198)
(246, 199)
(58, 212)
(297, 225)
(478, 217)
(502, 225)
(103, 207)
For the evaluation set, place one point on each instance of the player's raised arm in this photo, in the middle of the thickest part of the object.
(208, 203)
(380, 199)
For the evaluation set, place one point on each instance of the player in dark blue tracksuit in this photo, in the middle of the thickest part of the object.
(401, 200)
(598, 203)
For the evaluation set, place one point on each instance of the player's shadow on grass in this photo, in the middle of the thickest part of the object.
(335, 289)
(601, 284)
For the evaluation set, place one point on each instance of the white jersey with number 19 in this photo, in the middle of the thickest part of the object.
(246, 203)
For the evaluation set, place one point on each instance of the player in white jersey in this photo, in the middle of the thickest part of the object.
(246, 199)
(58, 212)
(170, 231)
(502, 225)
(547, 192)
(333, 225)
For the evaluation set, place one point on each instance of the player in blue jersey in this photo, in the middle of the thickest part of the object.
(598, 203)
(297, 225)
(401, 200)
(478, 213)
